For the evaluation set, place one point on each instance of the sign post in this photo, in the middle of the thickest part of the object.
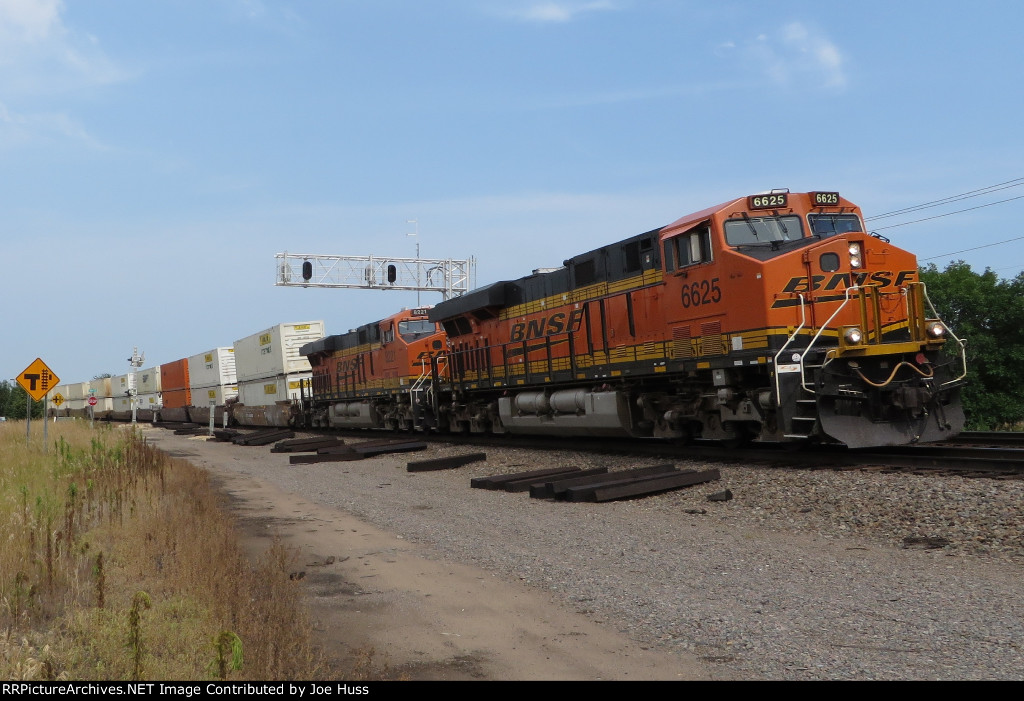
(37, 380)
(92, 409)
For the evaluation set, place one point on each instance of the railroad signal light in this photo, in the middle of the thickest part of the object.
(392, 273)
(307, 270)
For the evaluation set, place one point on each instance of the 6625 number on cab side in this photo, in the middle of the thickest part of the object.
(701, 292)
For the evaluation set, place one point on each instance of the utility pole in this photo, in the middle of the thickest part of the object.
(416, 233)
(135, 362)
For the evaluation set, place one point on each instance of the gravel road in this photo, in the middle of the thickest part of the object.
(801, 575)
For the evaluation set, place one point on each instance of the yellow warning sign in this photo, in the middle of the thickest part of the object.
(57, 399)
(37, 379)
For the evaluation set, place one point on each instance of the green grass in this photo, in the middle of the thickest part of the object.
(119, 563)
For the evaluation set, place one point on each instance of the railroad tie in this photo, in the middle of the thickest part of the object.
(444, 463)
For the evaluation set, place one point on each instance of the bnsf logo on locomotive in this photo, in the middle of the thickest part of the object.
(546, 326)
(840, 282)
(882, 278)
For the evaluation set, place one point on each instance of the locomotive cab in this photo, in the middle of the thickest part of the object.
(377, 376)
(830, 334)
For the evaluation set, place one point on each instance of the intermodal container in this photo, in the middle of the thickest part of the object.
(148, 380)
(212, 368)
(272, 390)
(174, 383)
(78, 390)
(150, 400)
(274, 352)
(102, 386)
(218, 394)
(174, 375)
(121, 385)
(176, 398)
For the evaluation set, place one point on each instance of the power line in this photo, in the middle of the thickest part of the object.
(1016, 182)
(988, 245)
(939, 216)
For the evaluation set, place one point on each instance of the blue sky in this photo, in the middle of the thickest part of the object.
(154, 156)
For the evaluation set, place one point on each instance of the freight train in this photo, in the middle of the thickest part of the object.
(772, 317)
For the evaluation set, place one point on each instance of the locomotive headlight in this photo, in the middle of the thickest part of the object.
(855, 255)
(852, 335)
(935, 329)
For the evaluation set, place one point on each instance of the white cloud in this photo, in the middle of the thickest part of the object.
(812, 52)
(796, 52)
(39, 54)
(28, 20)
(557, 12)
(32, 129)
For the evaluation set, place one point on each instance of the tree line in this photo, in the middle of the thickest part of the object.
(981, 308)
(12, 402)
(987, 312)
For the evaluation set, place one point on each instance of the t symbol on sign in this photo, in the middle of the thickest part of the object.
(31, 377)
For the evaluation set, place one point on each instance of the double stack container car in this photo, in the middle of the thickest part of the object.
(273, 376)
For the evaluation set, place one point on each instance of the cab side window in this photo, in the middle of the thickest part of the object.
(689, 248)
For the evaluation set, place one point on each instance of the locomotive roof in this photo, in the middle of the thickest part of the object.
(690, 219)
(356, 337)
(606, 263)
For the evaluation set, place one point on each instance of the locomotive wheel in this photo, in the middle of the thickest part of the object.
(743, 434)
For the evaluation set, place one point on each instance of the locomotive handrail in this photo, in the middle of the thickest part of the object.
(427, 368)
(961, 344)
(803, 377)
(796, 332)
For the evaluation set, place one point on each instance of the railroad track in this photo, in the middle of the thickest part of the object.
(973, 453)
(982, 454)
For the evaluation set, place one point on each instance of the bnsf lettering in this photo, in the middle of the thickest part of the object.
(350, 364)
(546, 326)
(842, 281)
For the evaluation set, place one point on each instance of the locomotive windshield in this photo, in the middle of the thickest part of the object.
(826, 225)
(414, 330)
(762, 230)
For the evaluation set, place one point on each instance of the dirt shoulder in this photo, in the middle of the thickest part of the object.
(424, 617)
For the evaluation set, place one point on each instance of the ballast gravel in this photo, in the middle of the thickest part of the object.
(801, 575)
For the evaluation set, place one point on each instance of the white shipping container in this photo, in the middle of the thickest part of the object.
(102, 387)
(211, 369)
(219, 394)
(275, 351)
(77, 390)
(122, 403)
(148, 380)
(271, 390)
(120, 385)
(150, 400)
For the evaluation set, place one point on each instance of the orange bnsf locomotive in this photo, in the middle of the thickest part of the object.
(376, 376)
(773, 317)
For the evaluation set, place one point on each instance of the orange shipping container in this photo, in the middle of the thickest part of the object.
(175, 384)
(177, 398)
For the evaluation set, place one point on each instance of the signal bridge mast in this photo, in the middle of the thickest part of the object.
(449, 277)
